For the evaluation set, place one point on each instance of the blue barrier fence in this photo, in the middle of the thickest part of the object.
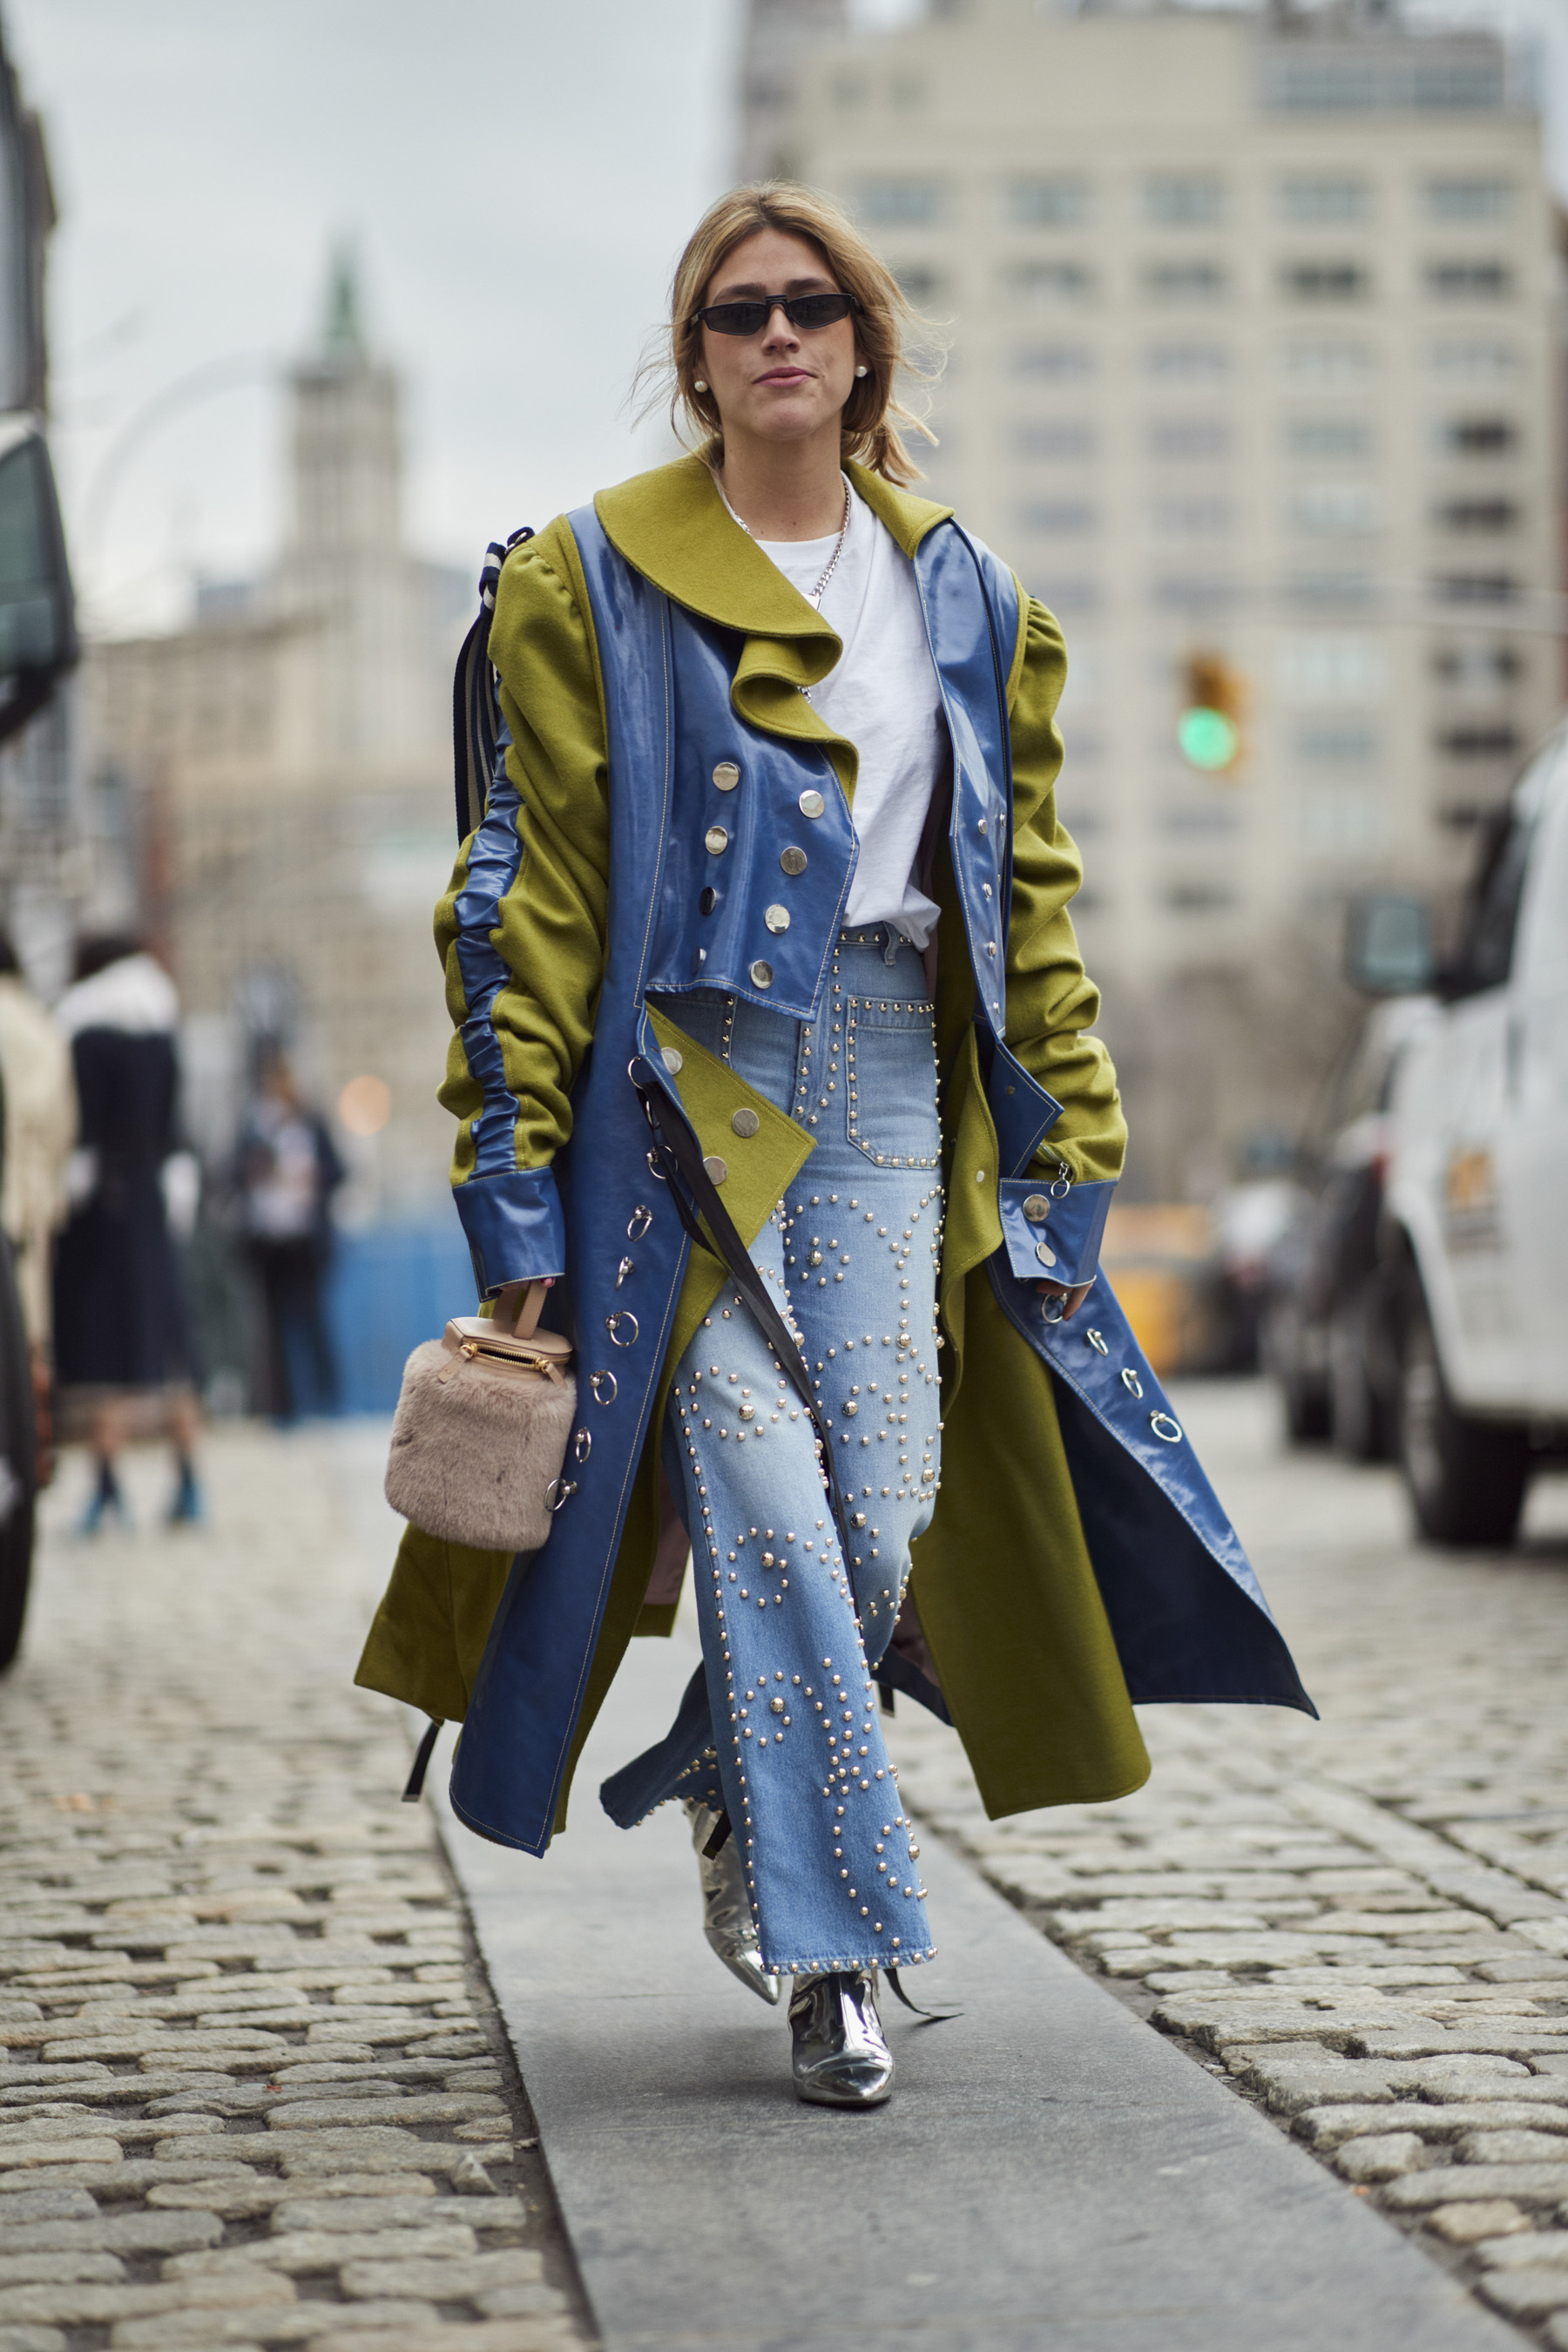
(390, 1288)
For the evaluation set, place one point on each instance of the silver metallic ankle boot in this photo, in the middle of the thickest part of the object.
(726, 1913)
(841, 2059)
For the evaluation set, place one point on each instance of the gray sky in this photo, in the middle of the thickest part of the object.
(517, 178)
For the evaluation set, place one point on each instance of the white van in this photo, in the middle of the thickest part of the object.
(1475, 1239)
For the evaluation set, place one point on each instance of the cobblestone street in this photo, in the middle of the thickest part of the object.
(254, 2090)
(1363, 1921)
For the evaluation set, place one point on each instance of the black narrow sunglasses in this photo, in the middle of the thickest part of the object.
(807, 311)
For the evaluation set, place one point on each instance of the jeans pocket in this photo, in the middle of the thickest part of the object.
(889, 1068)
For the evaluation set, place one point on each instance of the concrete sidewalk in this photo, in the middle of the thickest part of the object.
(1049, 2173)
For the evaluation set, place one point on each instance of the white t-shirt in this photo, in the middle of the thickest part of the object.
(881, 695)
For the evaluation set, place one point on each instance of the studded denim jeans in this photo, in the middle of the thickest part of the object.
(781, 1724)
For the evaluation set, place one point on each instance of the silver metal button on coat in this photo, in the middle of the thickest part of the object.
(793, 860)
(716, 841)
(1044, 1253)
(745, 1122)
(672, 1058)
(776, 919)
(812, 803)
(1037, 1208)
(717, 1170)
(726, 775)
(762, 974)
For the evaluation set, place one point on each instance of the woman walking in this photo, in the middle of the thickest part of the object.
(772, 868)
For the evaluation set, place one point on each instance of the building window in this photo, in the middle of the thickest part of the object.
(1185, 281)
(1398, 77)
(1187, 362)
(1328, 436)
(1069, 596)
(1056, 518)
(1052, 202)
(1323, 589)
(918, 282)
(1475, 668)
(1474, 515)
(902, 203)
(1337, 823)
(1326, 199)
(1332, 668)
(1209, 517)
(1477, 436)
(1183, 199)
(1329, 507)
(1336, 742)
(1497, 742)
(1469, 200)
(1329, 362)
(1053, 363)
(1049, 281)
(1475, 587)
(1046, 438)
(1325, 281)
(1189, 437)
(1192, 591)
(1185, 818)
(1469, 281)
(1474, 363)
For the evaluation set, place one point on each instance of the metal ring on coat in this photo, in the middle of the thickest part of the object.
(1171, 1431)
(623, 1314)
(600, 1382)
(559, 1492)
(1058, 1302)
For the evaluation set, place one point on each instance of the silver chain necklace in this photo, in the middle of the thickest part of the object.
(820, 591)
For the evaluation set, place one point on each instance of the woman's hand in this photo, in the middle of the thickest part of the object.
(1072, 1299)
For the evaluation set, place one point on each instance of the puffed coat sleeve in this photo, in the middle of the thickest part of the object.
(522, 930)
(1051, 1002)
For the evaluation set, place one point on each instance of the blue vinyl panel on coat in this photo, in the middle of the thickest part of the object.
(710, 921)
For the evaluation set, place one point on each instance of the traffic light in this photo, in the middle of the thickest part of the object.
(1214, 706)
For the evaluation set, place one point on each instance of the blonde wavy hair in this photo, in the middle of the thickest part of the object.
(896, 346)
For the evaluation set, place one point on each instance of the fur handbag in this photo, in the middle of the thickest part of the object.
(480, 1437)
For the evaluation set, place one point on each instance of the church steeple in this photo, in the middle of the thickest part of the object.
(343, 336)
(347, 444)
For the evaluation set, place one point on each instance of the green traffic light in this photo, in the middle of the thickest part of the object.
(1207, 737)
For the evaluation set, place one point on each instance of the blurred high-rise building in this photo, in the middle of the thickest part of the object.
(776, 35)
(277, 778)
(1253, 380)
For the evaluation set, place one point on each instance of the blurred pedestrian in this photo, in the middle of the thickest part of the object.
(287, 1170)
(123, 1346)
(40, 1132)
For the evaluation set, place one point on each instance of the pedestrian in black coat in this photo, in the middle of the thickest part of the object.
(122, 1344)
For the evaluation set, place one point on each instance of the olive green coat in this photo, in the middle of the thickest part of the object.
(1003, 1580)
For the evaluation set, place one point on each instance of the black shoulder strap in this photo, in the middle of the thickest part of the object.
(476, 712)
(678, 1160)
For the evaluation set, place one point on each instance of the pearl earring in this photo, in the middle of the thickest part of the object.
(698, 384)
(862, 369)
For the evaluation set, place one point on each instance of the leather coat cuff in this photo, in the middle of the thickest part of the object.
(513, 1226)
(1059, 1241)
